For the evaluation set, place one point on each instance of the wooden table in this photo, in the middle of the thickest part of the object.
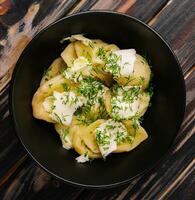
(20, 177)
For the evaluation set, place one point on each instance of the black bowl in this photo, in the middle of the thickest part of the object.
(162, 120)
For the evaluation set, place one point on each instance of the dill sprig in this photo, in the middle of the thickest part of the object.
(90, 88)
(150, 90)
(131, 94)
(111, 60)
(65, 133)
(102, 137)
(112, 64)
(101, 53)
(65, 87)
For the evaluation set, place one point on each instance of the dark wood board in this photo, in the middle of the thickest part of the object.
(173, 178)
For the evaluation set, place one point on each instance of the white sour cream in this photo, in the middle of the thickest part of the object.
(106, 136)
(125, 109)
(82, 158)
(126, 61)
(63, 106)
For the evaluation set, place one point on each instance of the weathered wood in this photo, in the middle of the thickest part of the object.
(22, 22)
(141, 9)
(176, 24)
(31, 182)
(10, 148)
(172, 178)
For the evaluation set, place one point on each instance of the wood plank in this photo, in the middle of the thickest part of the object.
(175, 23)
(35, 174)
(141, 9)
(21, 24)
(10, 148)
(31, 182)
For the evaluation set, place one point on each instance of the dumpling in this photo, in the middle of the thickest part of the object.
(96, 97)
(69, 54)
(110, 136)
(88, 54)
(137, 135)
(127, 102)
(55, 69)
(80, 145)
(140, 76)
(58, 84)
(66, 133)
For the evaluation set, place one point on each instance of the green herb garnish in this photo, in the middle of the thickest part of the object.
(102, 138)
(150, 90)
(101, 53)
(65, 87)
(65, 133)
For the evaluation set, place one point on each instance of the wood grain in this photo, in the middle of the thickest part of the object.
(31, 182)
(175, 24)
(22, 27)
(173, 177)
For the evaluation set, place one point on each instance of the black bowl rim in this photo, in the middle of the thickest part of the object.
(148, 169)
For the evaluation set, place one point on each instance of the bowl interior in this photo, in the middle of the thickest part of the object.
(161, 121)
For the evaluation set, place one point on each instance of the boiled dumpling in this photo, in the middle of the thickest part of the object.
(127, 102)
(55, 69)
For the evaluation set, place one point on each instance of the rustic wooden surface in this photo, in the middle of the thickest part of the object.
(20, 177)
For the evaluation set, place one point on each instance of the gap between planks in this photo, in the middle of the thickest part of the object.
(183, 175)
(155, 17)
(12, 170)
(189, 72)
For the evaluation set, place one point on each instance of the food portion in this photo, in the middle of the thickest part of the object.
(127, 102)
(95, 94)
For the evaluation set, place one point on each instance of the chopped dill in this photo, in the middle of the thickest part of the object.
(90, 88)
(102, 138)
(50, 85)
(91, 44)
(111, 60)
(53, 107)
(58, 119)
(46, 71)
(150, 90)
(101, 53)
(136, 121)
(65, 87)
(65, 133)
(120, 137)
(131, 94)
(141, 80)
(111, 64)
